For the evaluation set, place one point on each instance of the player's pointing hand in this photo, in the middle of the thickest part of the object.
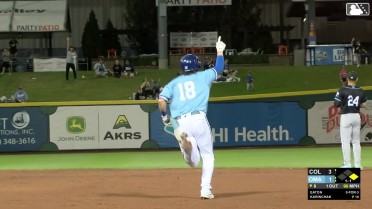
(220, 46)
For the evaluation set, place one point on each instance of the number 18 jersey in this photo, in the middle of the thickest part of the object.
(349, 98)
(189, 93)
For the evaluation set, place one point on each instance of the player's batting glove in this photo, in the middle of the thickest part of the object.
(166, 119)
(220, 46)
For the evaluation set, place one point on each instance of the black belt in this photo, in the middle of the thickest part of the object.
(192, 113)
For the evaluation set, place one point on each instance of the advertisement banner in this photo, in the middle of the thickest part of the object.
(5, 16)
(33, 16)
(49, 65)
(193, 39)
(122, 126)
(74, 128)
(337, 54)
(244, 124)
(22, 129)
(324, 123)
(323, 55)
(196, 2)
(99, 127)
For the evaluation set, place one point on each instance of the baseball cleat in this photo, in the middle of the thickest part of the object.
(359, 166)
(207, 196)
(186, 144)
(346, 166)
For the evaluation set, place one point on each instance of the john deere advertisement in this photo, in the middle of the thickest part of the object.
(98, 127)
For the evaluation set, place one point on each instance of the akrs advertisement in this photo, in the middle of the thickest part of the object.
(99, 127)
(22, 129)
(122, 126)
(324, 123)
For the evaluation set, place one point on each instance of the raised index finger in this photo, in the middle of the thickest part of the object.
(219, 39)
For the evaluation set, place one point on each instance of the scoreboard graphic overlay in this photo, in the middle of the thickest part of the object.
(333, 183)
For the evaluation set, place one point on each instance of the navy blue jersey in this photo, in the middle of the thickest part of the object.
(249, 78)
(349, 99)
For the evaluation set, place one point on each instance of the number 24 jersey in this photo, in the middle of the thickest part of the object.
(350, 98)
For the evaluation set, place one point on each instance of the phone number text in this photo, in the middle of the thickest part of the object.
(14, 141)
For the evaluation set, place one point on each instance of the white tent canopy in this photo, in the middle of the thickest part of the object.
(33, 16)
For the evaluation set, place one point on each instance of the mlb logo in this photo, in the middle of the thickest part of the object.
(357, 9)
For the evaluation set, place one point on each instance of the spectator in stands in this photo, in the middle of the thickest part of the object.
(146, 88)
(3, 99)
(221, 78)
(13, 43)
(225, 74)
(250, 85)
(100, 69)
(20, 95)
(231, 72)
(156, 88)
(70, 59)
(116, 68)
(208, 63)
(343, 75)
(139, 95)
(129, 71)
(357, 47)
(6, 61)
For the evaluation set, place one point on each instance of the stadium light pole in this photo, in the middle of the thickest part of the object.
(162, 35)
(311, 22)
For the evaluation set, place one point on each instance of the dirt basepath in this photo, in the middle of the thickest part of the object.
(166, 189)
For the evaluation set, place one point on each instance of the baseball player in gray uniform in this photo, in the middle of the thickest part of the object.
(350, 98)
(187, 96)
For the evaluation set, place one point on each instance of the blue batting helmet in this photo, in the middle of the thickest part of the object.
(189, 62)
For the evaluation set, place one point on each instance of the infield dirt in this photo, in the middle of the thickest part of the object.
(166, 189)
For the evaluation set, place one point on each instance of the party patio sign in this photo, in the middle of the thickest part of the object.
(32, 16)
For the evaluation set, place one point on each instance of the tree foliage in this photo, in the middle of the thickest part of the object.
(141, 18)
(91, 39)
(110, 38)
(244, 24)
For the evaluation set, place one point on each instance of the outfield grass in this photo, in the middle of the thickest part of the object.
(52, 86)
(232, 158)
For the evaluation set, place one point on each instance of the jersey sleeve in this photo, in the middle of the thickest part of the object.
(364, 98)
(211, 74)
(220, 64)
(166, 93)
(337, 99)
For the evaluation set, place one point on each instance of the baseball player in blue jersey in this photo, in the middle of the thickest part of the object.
(350, 98)
(187, 96)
